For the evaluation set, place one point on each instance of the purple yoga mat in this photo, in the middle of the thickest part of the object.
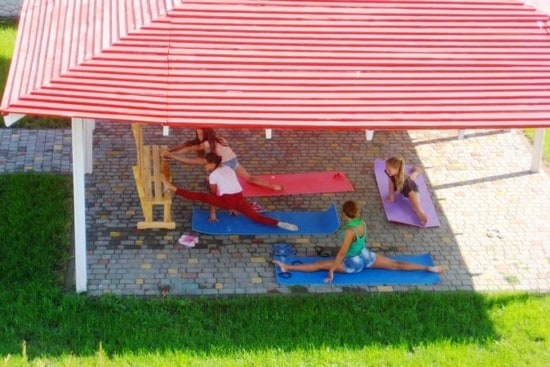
(400, 210)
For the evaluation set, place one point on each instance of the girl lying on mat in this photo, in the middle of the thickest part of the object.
(406, 185)
(207, 140)
(226, 193)
(353, 255)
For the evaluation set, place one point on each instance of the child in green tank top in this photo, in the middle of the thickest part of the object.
(353, 255)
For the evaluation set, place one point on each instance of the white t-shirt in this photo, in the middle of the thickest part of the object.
(223, 151)
(226, 180)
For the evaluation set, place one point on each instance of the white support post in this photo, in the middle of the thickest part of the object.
(369, 135)
(79, 200)
(268, 133)
(12, 118)
(89, 125)
(538, 148)
(461, 134)
(166, 131)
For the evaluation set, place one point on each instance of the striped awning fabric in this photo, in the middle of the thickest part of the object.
(312, 64)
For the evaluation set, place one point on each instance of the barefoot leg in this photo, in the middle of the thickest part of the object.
(319, 265)
(383, 262)
(415, 172)
(167, 184)
(414, 198)
(439, 269)
(242, 172)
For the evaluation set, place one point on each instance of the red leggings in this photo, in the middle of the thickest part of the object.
(228, 201)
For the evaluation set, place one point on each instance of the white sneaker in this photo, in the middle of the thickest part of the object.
(288, 226)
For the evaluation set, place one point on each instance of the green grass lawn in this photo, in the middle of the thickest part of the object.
(42, 324)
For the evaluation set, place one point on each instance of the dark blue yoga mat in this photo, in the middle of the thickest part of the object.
(308, 222)
(365, 277)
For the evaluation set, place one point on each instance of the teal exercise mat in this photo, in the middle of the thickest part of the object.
(363, 278)
(308, 222)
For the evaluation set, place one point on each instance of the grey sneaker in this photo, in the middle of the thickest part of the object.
(288, 226)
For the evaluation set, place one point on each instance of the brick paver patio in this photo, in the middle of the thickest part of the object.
(478, 184)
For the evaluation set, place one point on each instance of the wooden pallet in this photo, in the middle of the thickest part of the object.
(147, 175)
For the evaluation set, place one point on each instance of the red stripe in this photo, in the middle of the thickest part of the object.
(307, 64)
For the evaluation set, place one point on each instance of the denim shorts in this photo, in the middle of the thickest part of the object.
(355, 264)
(232, 163)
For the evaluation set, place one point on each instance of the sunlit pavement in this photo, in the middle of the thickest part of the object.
(494, 233)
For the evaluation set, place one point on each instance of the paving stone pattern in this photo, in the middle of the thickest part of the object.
(10, 8)
(35, 150)
(478, 184)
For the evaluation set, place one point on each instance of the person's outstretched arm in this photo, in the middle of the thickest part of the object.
(348, 239)
(213, 215)
(185, 160)
(176, 148)
(391, 190)
(188, 146)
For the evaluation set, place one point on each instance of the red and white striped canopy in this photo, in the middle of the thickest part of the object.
(383, 64)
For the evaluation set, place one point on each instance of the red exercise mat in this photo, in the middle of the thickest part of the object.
(300, 183)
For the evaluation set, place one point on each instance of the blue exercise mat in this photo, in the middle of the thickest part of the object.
(308, 222)
(365, 277)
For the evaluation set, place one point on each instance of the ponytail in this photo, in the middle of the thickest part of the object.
(399, 165)
(212, 138)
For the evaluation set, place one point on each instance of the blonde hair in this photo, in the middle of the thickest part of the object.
(399, 165)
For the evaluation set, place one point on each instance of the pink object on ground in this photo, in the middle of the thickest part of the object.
(188, 240)
(401, 210)
(300, 183)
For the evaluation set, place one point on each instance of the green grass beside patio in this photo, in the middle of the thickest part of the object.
(43, 324)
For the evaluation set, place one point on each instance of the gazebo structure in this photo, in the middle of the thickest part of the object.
(320, 64)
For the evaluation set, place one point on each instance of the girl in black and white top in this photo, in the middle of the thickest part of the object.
(399, 181)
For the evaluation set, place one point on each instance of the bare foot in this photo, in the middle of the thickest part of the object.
(423, 219)
(439, 269)
(167, 184)
(415, 172)
(280, 265)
